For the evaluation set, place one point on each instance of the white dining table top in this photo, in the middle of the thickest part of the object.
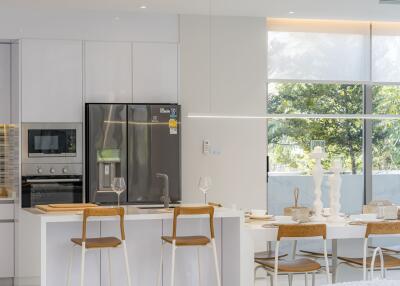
(341, 230)
(370, 283)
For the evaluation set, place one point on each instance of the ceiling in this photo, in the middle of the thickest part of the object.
(320, 9)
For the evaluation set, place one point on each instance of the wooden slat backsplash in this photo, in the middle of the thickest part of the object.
(9, 174)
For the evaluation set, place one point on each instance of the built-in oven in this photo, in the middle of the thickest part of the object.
(52, 163)
(43, 190)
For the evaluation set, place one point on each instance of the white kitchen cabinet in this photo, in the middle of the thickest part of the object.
(108, 72)
(5, 83)
(51, 72)
(155, 73)
(6, 249)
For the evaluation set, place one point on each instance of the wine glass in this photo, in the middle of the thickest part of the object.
(204, 185)
(118, 186)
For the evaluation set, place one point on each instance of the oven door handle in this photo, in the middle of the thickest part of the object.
(53, 180)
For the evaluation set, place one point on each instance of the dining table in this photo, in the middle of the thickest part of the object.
(268, 229)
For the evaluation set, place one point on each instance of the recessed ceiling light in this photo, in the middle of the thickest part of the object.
(143, 7)
(291, 12)
(116, 18)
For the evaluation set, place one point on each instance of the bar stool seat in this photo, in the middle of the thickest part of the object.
(101, 242)
(298, 265)
(187, 240)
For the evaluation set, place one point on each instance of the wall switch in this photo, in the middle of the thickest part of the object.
(206, 147)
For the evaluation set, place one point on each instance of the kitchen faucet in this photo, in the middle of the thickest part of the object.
(165, 190)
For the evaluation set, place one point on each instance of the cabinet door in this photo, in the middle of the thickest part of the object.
(51, 81)
(108, 72)
(5, 83)
(155, 73)
(6, 249)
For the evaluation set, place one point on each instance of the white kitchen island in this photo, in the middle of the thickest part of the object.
(43, 248)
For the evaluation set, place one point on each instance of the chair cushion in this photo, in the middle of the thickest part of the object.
(300, 265)
(101, 242)
(187, 240)
(389, 261)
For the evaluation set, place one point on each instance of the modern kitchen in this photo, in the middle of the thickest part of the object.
(154, 142)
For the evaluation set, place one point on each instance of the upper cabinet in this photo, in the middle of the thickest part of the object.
(51, 81)
(108, 72)
(5, 83)
(155, 73)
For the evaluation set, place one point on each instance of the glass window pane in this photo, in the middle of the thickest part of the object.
(386, 160)
(386, 99)
(311, 98)
(290, 164)
(318, 50)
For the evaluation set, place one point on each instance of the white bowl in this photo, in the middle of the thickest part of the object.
(258, 212)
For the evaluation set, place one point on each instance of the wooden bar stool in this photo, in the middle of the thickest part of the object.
(376, 229)
(296, 266)
(194, 241)
(100, 242)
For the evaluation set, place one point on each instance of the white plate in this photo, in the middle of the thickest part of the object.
(263, 217)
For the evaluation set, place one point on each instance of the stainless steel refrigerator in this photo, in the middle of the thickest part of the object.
(138, 142)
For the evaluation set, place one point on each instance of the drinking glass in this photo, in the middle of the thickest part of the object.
(118, 186)
(204, 186)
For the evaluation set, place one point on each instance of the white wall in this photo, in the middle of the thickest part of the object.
(238, 73)
(87, 25)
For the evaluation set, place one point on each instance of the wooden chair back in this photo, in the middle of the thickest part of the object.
(382, 228)
(301, 230)
(93, 212)
(203, 210)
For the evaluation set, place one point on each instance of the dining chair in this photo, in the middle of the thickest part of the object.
(296, 265)
(99, 242)
(190, 241)
(376, 229)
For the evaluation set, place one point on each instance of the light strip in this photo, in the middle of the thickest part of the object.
(295, 116)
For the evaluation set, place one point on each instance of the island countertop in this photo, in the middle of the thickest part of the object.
(131, 213)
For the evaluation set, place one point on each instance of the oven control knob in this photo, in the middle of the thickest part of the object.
(52, 171)
(65, 170)
(39, 170)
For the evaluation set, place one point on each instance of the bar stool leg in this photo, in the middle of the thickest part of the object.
(159, 278)
(109, 266)
(173, 263)
(216, 262)
(83, 263)
(71, 256)
(128, 274)
(199, 265)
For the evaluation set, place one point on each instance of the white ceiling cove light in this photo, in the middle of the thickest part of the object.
(143, 7)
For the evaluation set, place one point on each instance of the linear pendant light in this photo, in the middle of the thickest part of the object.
(295, 116)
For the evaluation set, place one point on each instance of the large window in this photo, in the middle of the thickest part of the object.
(323, 81)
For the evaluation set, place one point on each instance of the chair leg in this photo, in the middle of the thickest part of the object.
(109, 266)
(128, 273)
(173, 264)
(216, 262)
(161, 265)
(266, 279)
(306, 278)
(313, 279)
(199, 265)
(290, 278)
(83, 263)
(71, 256)
(271, 280)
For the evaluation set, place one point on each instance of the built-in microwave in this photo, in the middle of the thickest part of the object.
(50, 142)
